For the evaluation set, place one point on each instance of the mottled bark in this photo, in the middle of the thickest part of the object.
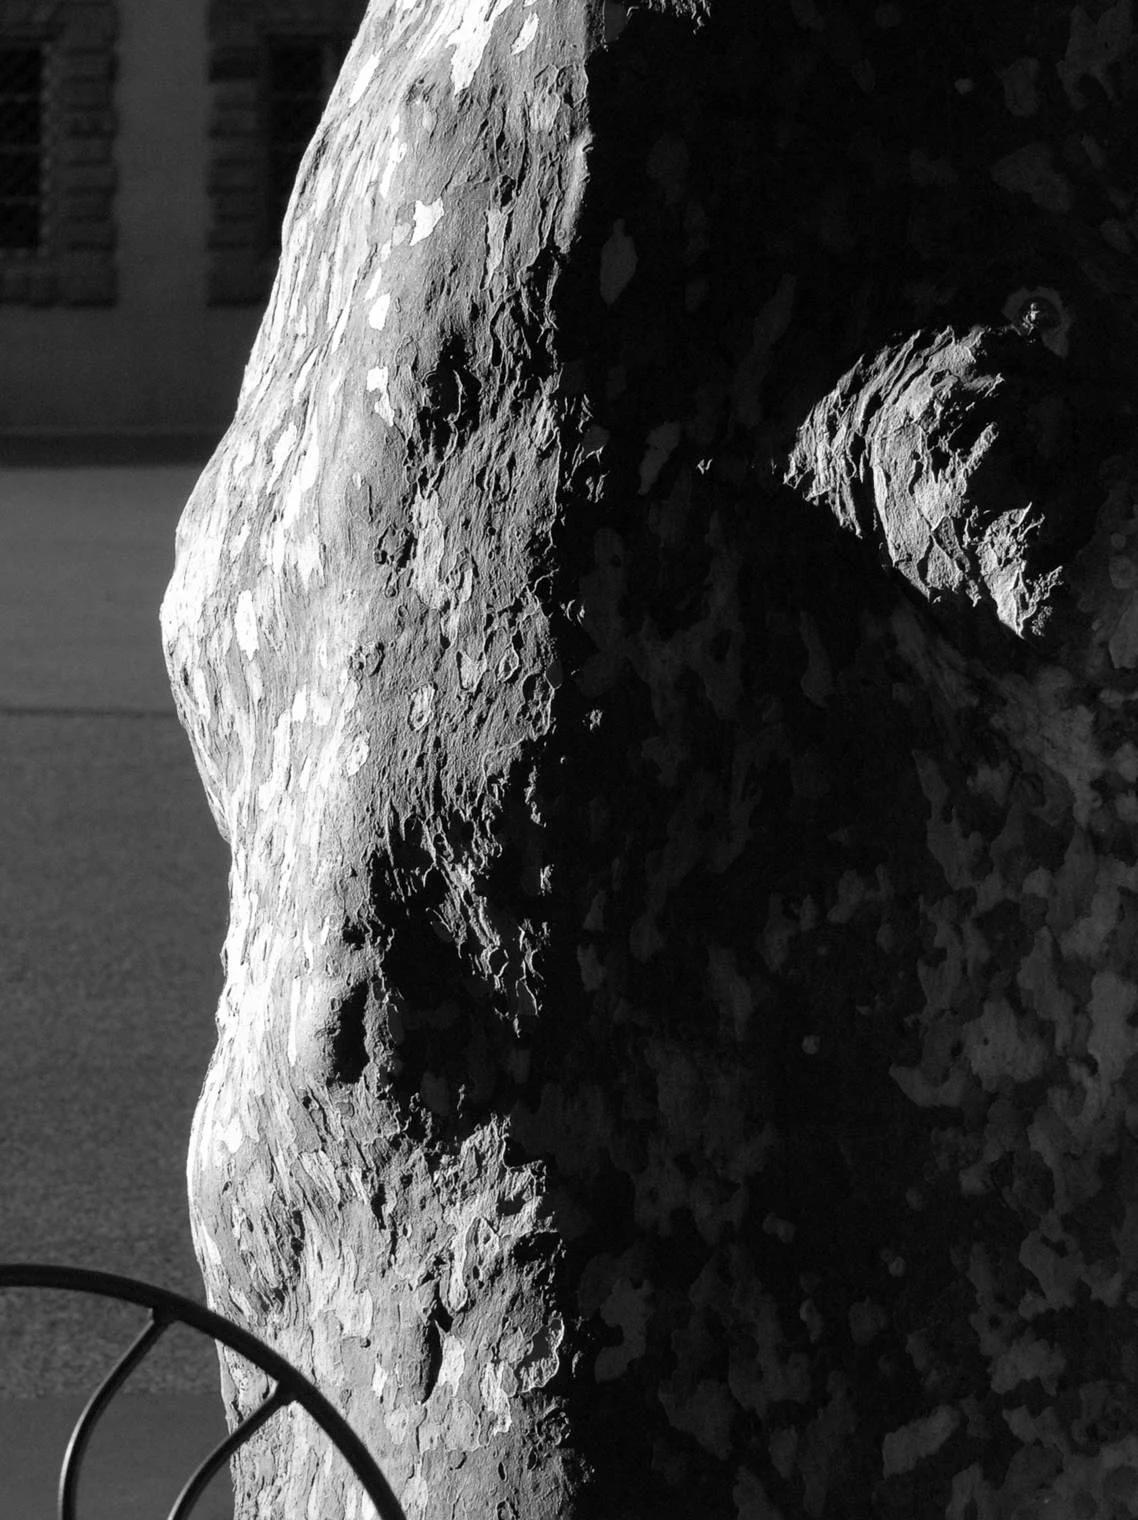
(676, 1049)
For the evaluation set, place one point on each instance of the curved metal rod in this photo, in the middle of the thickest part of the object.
(96, 1404)
(172, 1306)
(221, 1453)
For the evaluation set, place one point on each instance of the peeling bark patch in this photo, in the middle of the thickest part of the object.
(470, 38)
(363, 79)
(1030, 171)
(395, 156)
(378, 379)
(422, 707)
(1021, 94)
(526, 36)
(1094, 46)
(245, 625)
(904, 1449)
(618, 263)
(377, 316)
(427, 218)
(662, 442)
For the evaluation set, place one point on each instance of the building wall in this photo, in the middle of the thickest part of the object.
(160, 359)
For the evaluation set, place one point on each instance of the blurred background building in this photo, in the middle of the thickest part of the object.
(147, 151)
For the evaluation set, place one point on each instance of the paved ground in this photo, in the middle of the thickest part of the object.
(112, 902)
(141, 1455)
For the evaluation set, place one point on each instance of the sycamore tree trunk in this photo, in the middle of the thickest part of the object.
(660, 640)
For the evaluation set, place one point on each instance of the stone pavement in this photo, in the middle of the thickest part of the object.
(143, 1451)
(112, 908)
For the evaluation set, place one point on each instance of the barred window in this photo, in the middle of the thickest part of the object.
(299, 75)
(23, 71)
(272, 66)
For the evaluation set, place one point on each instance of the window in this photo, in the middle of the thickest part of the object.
(57, 134)
(272, 66)
(299, 75)
(23, 170)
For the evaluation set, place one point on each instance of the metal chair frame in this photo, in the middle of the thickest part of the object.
(166, 1309)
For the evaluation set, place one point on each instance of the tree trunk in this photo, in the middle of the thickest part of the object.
(676, 1050)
